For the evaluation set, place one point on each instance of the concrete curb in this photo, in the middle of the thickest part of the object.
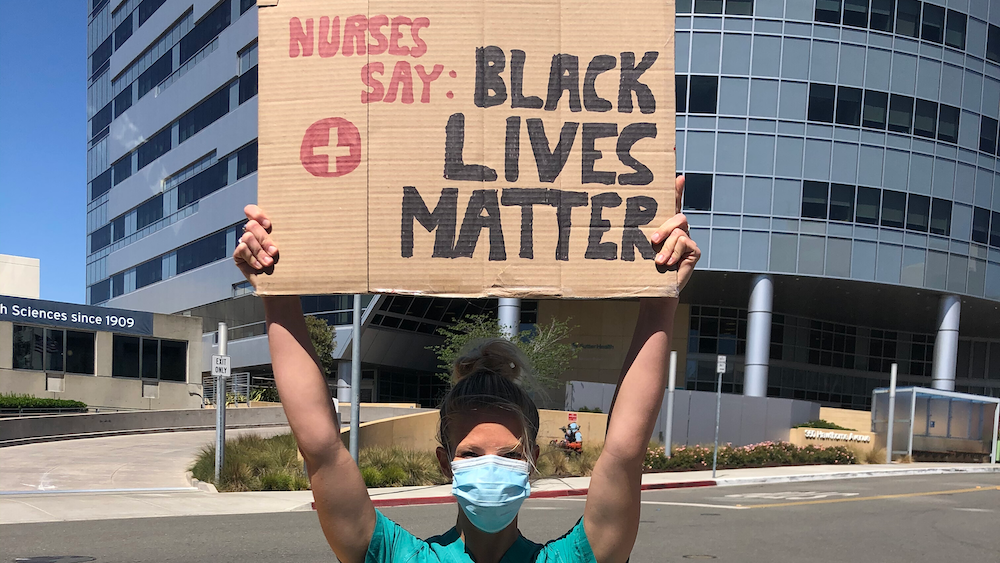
(721, 482)
(200, 485)
(110, 433)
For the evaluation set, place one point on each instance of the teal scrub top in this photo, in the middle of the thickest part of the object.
(391, 543)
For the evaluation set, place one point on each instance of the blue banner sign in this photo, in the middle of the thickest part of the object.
(69, 315)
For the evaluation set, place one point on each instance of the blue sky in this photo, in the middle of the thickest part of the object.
(43, 140)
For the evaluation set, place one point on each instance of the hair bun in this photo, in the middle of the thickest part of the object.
(494, 355)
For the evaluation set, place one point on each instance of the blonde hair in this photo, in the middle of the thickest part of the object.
(485, 376)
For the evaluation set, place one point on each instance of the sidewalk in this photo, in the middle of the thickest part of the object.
(25, 507)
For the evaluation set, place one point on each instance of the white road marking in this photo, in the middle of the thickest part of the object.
(975, 509)
(791, 495)
(691, 504)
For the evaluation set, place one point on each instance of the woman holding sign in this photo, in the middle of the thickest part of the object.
(488, 433)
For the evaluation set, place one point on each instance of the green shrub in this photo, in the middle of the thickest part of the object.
(399, 467)
(765, 454)
(824, 425)
(253, 463)
(15, 401)
(588, 409)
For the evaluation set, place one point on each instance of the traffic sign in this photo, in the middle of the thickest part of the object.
(220, 366)
(720, 366)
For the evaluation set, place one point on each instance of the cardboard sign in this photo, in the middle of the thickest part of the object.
(467, 149)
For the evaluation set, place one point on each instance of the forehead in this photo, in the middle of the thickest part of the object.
(486, 429)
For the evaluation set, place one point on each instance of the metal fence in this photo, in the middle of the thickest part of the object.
(237, 389)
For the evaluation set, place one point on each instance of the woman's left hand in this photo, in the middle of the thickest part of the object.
(673, 244)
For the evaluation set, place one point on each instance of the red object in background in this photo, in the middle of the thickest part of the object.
(572, 417)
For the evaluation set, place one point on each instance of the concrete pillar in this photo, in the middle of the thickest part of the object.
(104, 356)
(509, 313)
(758, 336)
(946, 343)
(344, 382)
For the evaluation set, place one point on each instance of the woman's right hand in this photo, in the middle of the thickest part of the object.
(256, 253)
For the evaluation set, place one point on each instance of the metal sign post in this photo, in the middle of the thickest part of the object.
(356, 379)
(720, 368)
(892, 414)
(668, 433)
(220, 370)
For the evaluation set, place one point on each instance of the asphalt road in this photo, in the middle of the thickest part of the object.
(946, 518)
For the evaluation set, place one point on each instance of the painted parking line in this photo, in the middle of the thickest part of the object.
(876, 497)
(690, 504)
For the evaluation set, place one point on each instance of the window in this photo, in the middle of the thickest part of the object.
(201, 252)
(684, 6)
(118, 284)
(248, 58)
(941, 217)
(882, 350)
(708, 6)
(900, 113)
(100, 292)
(98, 4)
(821, 100)
(125, 362)
(828, 11)
(118, 229)
(995, 230)
(246, 160)
(123, 31)
(157, 146)
(55, 350)
(100, 185)
(993, 44)
(100, 238)
(204, 114)
(205, 182)
(246, 5)
(815, 199)
(173, 360)
(893, 208)
(122, 169)
(123, 100)
(80, 352)
(149, 273)
(908, 18)
(155, 74)
(948, 124)
(988, 135)
(925, 118)
(248, 84)
(681, 90)
(918, 212)
(876, 108)
(698, 192)
(207, 29)
(149, 213)
(980, 225)
(150, 358)
(933, 23)
(841, 202)
(101, 56)
(739, 7)
(100, 121)
(954, 31)
(856, 13)
(849, 106)
(704, 93)
(869, 203)
(882, 14)
(146, 9)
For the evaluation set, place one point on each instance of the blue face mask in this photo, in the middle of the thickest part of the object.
(490, 489)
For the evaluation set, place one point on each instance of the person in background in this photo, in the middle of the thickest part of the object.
(488, 433)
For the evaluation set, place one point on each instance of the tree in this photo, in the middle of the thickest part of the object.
(324, 340)
(547, 354)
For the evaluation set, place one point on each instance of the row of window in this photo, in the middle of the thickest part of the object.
(202, 184)
(201, 252)
(53, 350)
(732, 7)
(205, 113)
(874, 206)
(101, 56)
(880, 110)
(920, 20)
(149, 358)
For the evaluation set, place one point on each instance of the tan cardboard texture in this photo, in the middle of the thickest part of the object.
(467, 149)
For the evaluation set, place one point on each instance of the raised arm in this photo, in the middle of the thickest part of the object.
(345, 511)
(611, 516)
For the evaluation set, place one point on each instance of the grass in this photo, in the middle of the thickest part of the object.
(825, 425)
(254, 463)
(555, 462)
(399, 467)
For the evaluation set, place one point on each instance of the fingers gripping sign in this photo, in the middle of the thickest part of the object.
(675, 250)
(255, 253)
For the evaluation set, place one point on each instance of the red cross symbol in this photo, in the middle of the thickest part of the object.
(333, 138)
